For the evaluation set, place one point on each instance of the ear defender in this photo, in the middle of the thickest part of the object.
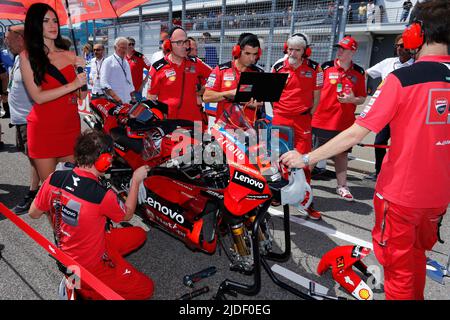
(103, 162)
(237, 48)
(105, 159)
(167, 45)
(413, 37)
(236, 52)
(308, 51)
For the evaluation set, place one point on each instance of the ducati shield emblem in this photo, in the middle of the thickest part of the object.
(441, 105)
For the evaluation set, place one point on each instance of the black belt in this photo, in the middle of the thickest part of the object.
(96, 96)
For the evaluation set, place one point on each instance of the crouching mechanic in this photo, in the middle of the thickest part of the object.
(79, 219)
(299, 99)
(415, 103)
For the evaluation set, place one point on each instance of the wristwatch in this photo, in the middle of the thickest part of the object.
(305, 159)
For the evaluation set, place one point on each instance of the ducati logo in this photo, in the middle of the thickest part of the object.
(441, 105)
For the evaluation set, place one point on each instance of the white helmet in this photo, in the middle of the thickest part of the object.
(295, 192)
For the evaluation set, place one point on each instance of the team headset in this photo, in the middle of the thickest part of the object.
(167, 45)
(307, 53)
(105, 158)
(237, 49)
(413, 36)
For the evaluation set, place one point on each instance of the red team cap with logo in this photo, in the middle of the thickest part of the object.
(348, 43)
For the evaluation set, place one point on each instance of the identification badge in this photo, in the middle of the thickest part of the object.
(170, 73)
(211, 80)
(306, 74)
(228, 77)
(333, 75)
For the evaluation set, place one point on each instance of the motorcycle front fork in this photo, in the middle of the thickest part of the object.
(241, 239)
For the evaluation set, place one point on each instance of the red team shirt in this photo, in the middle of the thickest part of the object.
(416, 170)
(138, 62)
(330, 113)
(298, 93)
(226, 77)
(176, 85)
(84, 238)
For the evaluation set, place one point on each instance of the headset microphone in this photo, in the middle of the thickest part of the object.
(80, 70)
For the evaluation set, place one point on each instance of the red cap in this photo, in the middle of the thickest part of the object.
(348, 43)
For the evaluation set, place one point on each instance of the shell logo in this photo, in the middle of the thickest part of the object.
(172, 78)
(364, 294)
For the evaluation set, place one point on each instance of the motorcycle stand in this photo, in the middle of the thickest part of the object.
(233, 288)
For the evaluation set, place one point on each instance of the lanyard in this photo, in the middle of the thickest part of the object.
(123, 69)
(13, 70)
(99, 68)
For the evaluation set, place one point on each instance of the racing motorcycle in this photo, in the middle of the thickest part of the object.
(206, 189)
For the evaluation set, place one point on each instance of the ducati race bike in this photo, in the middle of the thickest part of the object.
(207, 189)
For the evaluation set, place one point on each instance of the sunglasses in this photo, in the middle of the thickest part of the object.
(131, 44)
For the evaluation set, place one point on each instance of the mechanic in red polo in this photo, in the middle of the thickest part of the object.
(175, 78)
(138, 62)
(344, 87)
(224, 79)
(412, 191)
(79, 218)
(299, 98)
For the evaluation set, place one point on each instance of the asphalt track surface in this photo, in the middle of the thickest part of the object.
(28, 273)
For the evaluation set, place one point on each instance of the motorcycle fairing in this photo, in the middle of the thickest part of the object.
(341, 260)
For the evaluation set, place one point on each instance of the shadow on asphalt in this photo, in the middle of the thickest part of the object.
(310, 242)
(10, 148)
(325, 204)
(11, 195)
(358, 192)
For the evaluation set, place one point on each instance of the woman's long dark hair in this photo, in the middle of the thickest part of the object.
(34, 40)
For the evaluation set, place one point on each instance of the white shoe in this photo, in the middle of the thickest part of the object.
(344, 193)
(62, 292)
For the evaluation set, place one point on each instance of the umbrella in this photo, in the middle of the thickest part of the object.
(70, 11)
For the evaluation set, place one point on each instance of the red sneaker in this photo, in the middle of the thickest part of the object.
(311, 213)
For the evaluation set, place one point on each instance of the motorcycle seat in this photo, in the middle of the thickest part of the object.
(119, 135)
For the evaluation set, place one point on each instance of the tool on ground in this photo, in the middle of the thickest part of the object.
(437, 272)
(189, 280)
(195, 293)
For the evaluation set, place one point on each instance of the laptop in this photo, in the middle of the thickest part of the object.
(264, 87)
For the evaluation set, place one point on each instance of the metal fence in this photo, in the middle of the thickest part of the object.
(216, 25)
